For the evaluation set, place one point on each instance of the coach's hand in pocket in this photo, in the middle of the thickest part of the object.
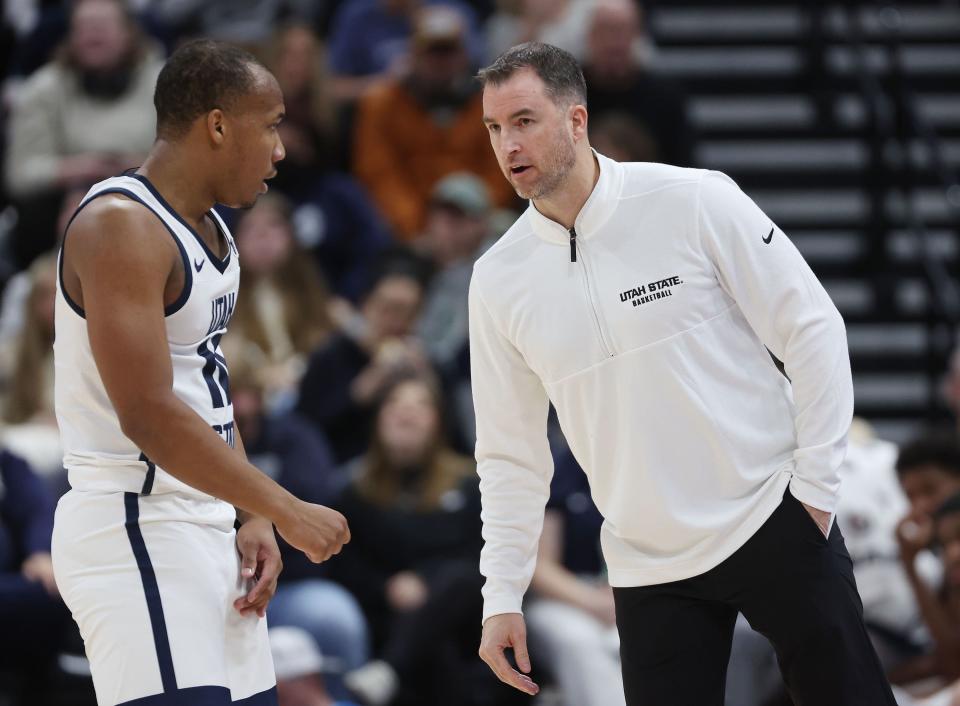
(259, 562)
(500, 632)
(317, 531)
(821, 517)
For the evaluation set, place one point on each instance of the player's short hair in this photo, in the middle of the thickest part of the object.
(940, 449)
(557, 68)
(199, 76)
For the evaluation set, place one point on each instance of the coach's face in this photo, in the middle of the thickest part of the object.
(251, 141)
(533, 136)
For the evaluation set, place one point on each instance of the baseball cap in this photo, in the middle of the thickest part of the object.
(438, 25)
(295, 653)
(463, 191)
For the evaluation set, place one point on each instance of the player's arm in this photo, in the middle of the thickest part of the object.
(793, 316)
(122, 257)
(515, 468)
(260, 561)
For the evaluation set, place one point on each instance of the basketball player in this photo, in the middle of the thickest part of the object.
(641, 299)
(169, 598)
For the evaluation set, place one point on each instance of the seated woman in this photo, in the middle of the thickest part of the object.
(26, 376)
(282, 308)
(414, 515)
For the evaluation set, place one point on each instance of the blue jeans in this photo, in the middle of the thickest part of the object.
(333, 618)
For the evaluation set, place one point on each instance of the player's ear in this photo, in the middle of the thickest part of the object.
(215, 126)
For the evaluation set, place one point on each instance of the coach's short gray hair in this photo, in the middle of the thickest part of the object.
(557, 69)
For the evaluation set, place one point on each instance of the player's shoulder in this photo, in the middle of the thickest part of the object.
(117, 222)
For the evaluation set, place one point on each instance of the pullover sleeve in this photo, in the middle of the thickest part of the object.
(793, 316)
(513, 459)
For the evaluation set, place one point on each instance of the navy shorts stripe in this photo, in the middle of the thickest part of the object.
(264, 698)
(151, 472)
(205, 696)
(152, 591)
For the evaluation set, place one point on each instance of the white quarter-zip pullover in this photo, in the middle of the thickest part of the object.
(649, 332)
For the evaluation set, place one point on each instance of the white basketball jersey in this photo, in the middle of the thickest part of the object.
(97, 455)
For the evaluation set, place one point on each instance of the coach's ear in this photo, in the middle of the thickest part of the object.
(577, 114)
(215, 126)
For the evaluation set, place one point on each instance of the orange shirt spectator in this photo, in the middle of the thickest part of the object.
(412, 132)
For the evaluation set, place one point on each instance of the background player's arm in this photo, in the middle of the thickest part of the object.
(122, 257)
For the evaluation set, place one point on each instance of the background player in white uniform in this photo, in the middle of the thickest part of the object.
(168, 597)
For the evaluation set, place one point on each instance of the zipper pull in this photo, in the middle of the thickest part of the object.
(573, 244)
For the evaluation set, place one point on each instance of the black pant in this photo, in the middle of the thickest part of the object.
(793, 585)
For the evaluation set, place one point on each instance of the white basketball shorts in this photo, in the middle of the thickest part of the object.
(151, 582)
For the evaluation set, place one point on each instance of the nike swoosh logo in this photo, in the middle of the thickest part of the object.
(198, 265)
(768, 238)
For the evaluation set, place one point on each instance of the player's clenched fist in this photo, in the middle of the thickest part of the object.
(316, 530)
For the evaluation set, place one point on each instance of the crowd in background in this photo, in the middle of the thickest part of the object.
(348, 351)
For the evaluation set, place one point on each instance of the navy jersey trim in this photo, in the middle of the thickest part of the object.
(151, 590)
(77, 309)
(176, 305)
(205, 696)
(221, 265)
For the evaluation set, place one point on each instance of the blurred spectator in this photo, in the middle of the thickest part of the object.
(336, 221)
(299, 667)
(33, 617)
(347, 373)
(369, 41)
(27, 364)
(333, 216)
(620, 81)
(570, 615)
(17, 289)
(946, 537)
(411, 132)
(282, 309)
(413, 561)
(558, 22)
(308, 130)
(248, 22)
(456, 233)
(85, 116)
(459, 228)
(297, 456)
(622, 137)
(929, 470)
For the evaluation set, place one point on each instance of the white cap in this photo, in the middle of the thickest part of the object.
(295, 653)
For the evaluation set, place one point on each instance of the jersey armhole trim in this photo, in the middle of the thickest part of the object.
(175, 306)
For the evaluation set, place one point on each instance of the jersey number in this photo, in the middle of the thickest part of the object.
(215, 372)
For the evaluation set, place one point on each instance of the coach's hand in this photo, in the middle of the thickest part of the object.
(259, 562)
(317, 531)
(500, 632)
(821, 517)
